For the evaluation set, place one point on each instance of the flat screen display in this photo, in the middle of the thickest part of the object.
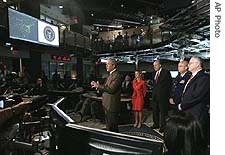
(90, 141)
(48, 34)
(1, 104)
(28, 28)
(71, 138)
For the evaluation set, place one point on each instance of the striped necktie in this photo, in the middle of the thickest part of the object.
(187, 83)
(157, 77)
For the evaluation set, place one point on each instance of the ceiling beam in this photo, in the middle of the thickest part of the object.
(148, 2)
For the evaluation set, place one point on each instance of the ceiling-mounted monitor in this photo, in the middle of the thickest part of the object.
(27, 28)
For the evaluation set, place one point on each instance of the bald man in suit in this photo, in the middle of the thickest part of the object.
(111, 95)
(179, 83)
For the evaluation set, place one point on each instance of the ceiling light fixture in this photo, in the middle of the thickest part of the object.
(127, 21)
(110, 26)
(60, 6)
(5, 1)
(8, 44)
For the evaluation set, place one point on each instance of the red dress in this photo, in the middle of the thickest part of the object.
(138, 96)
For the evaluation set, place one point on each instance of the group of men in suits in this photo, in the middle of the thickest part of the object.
(190, 92)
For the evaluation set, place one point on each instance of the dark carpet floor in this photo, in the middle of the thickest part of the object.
(145, 131)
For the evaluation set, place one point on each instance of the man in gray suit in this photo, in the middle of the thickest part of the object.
(111, 95)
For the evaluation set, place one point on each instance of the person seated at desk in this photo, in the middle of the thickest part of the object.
(55, 79)
(40, 88)
(127, 88)
(69, 83)
(86, 107)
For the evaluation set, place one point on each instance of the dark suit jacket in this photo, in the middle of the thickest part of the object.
(112, 92)
(40, 90)
(178, 86)
(197, 95)
(127, 89)
(161, 90)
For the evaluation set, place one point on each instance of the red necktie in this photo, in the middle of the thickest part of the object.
(187, 83)
(190, 78)
(157, 77)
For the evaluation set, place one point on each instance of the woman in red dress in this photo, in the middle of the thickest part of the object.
(138, 96)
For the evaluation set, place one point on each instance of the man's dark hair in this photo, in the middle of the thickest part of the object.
(113, 61)
(160, 62)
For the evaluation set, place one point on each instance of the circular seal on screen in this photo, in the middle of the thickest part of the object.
(49, 33)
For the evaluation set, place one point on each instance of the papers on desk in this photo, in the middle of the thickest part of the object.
(78, 89)
(28, 96)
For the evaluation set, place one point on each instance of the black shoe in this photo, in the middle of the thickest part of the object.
(80, 117)
(154, 126)
(93, 118)
(161, 130)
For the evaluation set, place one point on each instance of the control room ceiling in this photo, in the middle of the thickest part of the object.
(117, 14)
(189, 35)
(188, 22)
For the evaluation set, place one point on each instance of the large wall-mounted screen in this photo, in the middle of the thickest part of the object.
(28, 28)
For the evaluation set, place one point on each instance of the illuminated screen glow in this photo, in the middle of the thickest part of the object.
(174, 73)
(28, 28)
(1, 104)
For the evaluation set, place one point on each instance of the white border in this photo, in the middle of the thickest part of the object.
(217, 104)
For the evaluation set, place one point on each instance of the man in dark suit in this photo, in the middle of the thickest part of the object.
(179, 83)
(196, 94)
(160, 95)
(111, 95)
(40, 88)
(195, 98)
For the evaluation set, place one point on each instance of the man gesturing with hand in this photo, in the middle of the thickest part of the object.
(111, 95)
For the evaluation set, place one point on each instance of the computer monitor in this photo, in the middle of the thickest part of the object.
(1, 104)
(58, 115)
(90, 141)
(27, 28)
(70, 138)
